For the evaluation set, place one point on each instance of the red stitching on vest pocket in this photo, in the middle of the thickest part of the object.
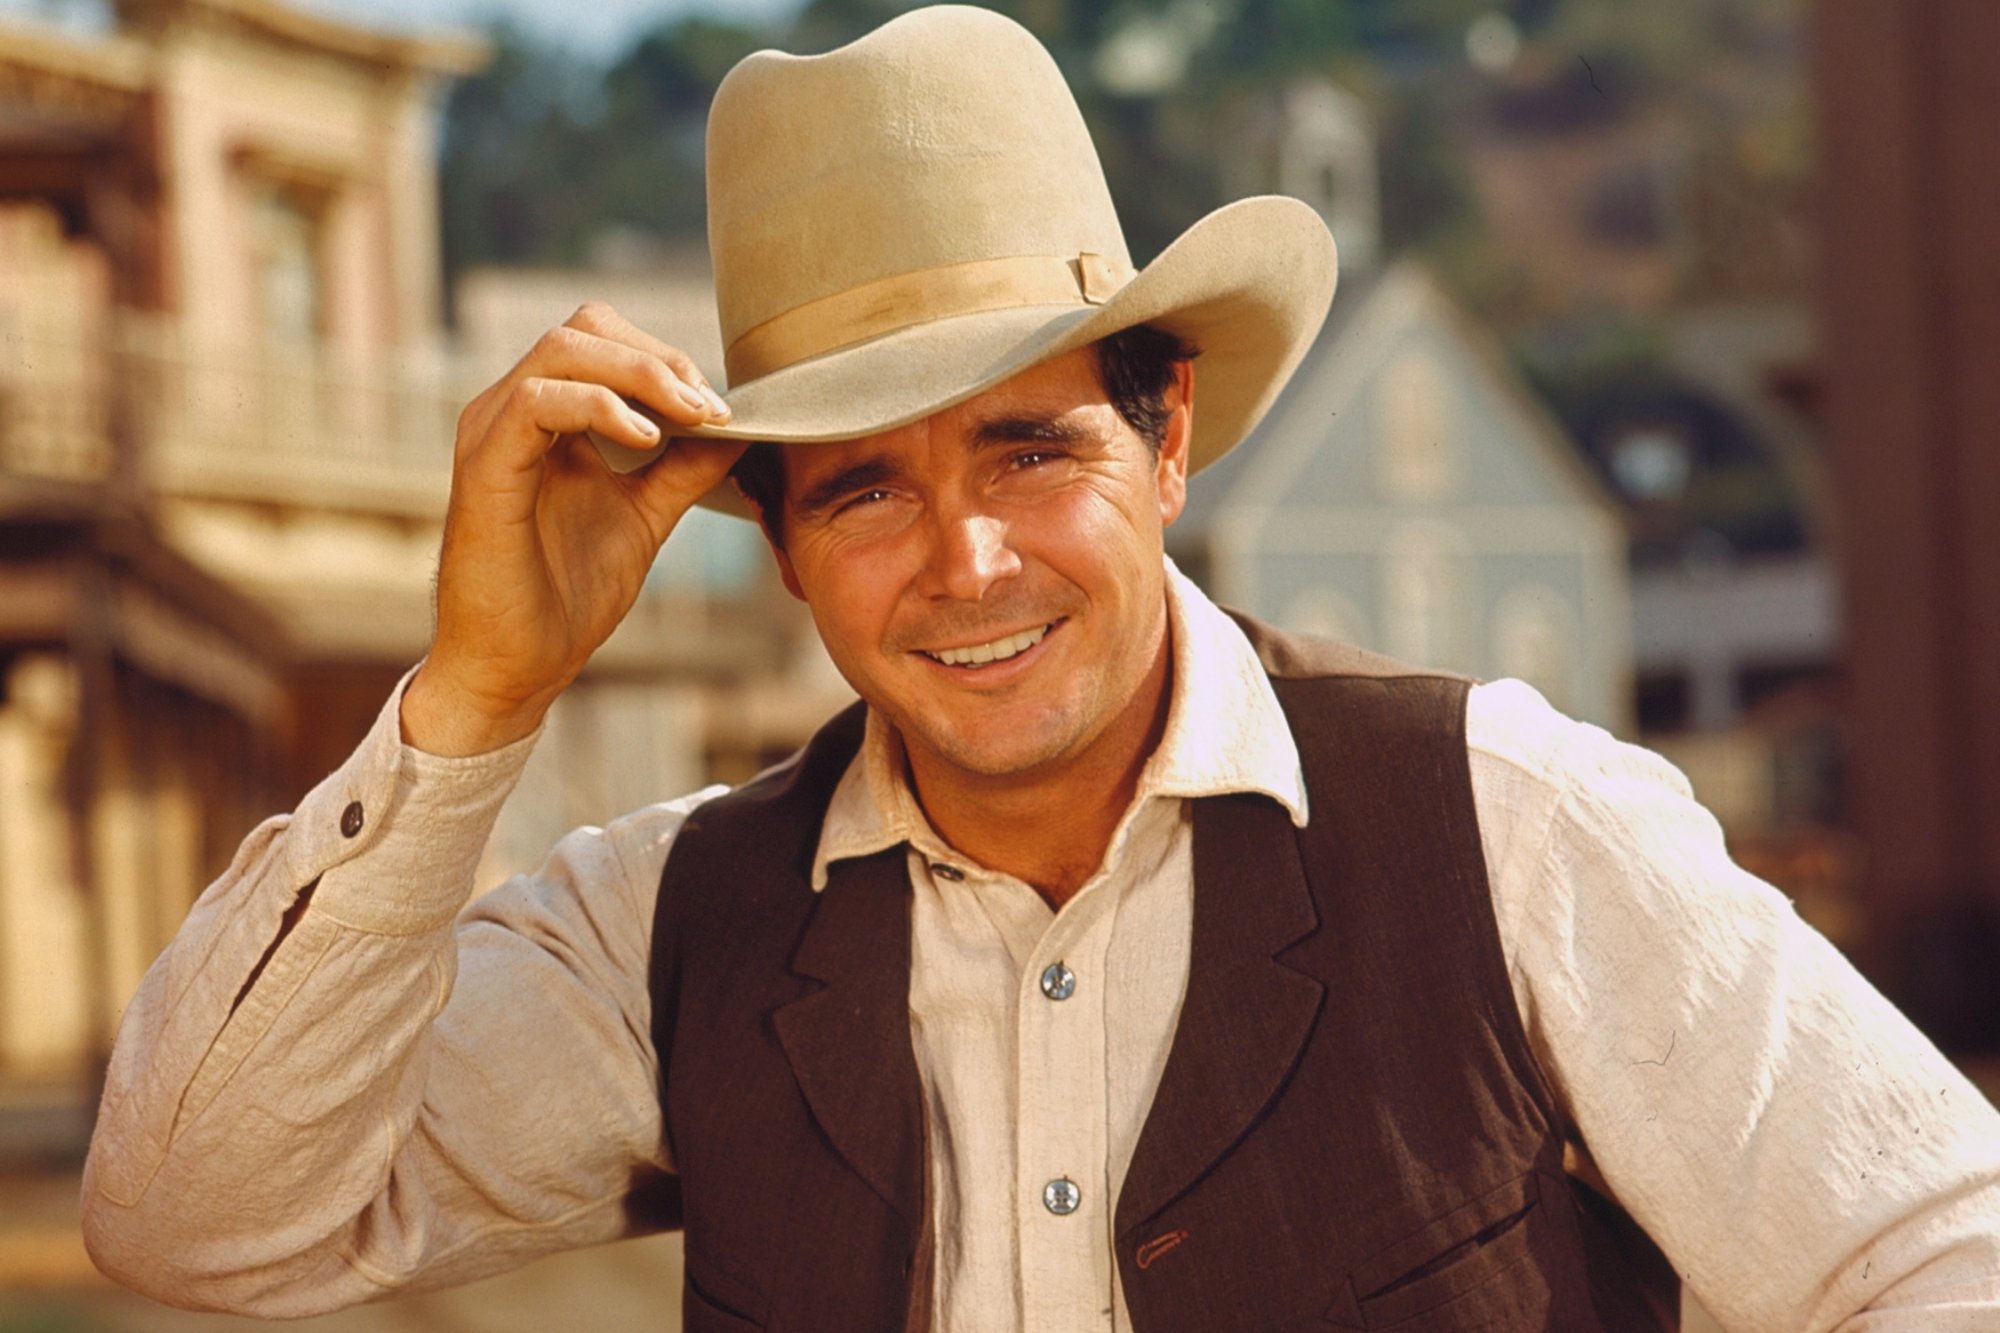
(1158, 1246)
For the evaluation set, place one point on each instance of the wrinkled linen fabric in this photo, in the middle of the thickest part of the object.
(418, 1091)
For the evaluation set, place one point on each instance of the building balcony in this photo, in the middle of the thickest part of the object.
(149, 407)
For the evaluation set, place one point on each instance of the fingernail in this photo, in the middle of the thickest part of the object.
(643, 424)
(716, 406)
(692, 397)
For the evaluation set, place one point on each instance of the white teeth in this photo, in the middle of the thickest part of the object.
(997, 651)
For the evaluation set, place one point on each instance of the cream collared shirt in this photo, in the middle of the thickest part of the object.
(416, 1092)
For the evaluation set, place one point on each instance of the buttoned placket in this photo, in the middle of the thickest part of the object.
(1069, 1011)
(975, 931)
(1063, 1186)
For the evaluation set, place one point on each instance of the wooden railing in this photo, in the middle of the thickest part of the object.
(307, 424)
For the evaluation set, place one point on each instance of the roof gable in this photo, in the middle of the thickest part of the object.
(1404, 402)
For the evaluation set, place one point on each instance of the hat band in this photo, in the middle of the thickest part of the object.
(909, 299)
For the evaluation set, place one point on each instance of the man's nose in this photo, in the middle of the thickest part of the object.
(969, 554)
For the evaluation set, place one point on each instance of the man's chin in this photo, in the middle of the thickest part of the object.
(996, 751)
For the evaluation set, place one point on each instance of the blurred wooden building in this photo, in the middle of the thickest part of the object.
(224, 424)
(227, 406)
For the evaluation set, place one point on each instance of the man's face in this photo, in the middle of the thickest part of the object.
(991, 578)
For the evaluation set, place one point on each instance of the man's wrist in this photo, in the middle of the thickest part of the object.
(440, 719)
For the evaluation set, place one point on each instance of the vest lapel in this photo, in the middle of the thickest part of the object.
(1246, 1016)
(849, 1041)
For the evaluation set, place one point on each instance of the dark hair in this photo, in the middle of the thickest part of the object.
(760, 475)
(1135, 366)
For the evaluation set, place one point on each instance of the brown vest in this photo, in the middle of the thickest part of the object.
(1351, 1131)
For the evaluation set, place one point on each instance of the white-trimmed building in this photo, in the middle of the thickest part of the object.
(1408, 494)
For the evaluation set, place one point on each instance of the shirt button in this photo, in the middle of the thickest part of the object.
(1061, 1196)
(1058, 982)
(950, 872)
(350, 819)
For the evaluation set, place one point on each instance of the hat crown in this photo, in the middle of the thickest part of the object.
(945, 137)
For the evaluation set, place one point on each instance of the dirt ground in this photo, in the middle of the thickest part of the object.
(47, 1285)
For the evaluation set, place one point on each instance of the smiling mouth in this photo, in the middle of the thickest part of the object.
(985, 654)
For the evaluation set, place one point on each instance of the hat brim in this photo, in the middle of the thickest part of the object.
(1250, 285)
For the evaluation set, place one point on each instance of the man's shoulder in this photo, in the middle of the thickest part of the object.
(1519, 739)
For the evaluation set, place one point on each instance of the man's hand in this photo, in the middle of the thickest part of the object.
(545, 547)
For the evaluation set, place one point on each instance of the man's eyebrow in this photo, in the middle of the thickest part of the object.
(836, 486)
(1027, 430)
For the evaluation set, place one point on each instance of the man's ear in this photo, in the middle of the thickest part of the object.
(1171, 468)
(785, 570)
(786, 574)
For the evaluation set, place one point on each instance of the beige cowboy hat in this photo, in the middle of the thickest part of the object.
(908, 220)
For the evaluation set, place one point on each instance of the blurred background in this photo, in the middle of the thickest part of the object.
(1662, 375)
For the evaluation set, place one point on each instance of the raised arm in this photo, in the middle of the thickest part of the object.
(330, 1086)
(545, 547)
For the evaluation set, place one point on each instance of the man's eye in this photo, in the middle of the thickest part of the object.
(862, 499)
(1035, 457)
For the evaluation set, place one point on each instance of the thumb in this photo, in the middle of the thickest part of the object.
(686, 471)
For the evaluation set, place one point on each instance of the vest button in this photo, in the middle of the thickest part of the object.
(950, 872)
(1061, 1196)
(1058, 982)
(350, 819)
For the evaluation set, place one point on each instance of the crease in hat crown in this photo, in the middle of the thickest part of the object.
(936, 167)
(908, 220)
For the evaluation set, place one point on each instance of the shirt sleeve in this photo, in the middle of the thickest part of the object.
(1802, 1154)
(405, 1091)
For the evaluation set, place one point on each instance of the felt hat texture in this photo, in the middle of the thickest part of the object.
(904, 222)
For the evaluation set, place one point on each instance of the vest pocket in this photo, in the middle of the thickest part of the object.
(1457, 1260)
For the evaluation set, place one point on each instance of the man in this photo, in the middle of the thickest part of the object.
(1121, 966)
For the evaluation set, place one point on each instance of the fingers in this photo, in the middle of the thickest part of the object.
(601, 320)
(599, 346)
(538, 411)
(545, 546)
(641, 375)
(686, 471)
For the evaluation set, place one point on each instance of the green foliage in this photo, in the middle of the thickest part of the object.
(825, 24)
(509, 187)
(1267, 40)
(671, 73)
(543, 154)
(1426, 195)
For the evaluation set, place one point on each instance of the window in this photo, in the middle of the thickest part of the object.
(1426, 582)
(285, 228)
(1416, 433)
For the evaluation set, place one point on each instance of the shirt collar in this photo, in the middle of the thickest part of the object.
(1225, 733)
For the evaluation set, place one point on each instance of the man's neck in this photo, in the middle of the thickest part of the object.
(1051, 828)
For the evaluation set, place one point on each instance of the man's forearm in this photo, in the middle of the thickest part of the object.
(270, 1047)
